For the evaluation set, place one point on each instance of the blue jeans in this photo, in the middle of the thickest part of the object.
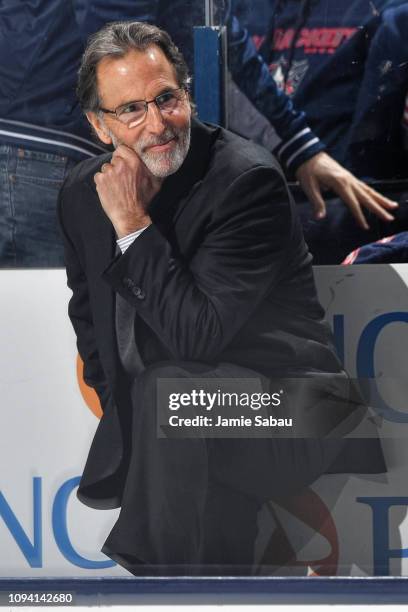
(29, 185)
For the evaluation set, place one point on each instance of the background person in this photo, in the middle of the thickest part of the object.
(43, 133)
(347, 96)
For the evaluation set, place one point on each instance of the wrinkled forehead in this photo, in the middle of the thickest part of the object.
(138, 75)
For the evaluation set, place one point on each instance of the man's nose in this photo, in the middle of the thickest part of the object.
(154, 119)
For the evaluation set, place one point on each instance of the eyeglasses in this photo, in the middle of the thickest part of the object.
(134, 113)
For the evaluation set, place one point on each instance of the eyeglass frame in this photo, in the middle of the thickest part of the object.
(146, 105)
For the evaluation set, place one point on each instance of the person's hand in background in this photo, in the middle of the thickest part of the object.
(322, 172)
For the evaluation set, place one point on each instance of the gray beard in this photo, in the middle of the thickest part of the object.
(162, 164)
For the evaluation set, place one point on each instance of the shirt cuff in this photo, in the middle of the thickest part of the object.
(300, 148)
(125, 242)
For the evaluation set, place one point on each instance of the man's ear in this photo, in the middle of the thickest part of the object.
(99, 126)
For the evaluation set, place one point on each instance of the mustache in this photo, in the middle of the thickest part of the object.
(157, 140)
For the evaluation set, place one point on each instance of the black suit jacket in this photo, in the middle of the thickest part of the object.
(222, 275)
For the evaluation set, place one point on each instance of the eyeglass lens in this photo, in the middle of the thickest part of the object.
(134, 112)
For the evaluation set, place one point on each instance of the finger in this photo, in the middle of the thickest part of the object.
(349, 192)
(130, 157)
(97, 177)
(118, 163)
(367, 198)
(359, 191)
(380, 199)
(127, 154)
(376, 209)
(313, 192)
(352, 202)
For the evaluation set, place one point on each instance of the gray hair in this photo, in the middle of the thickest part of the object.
(116, 40)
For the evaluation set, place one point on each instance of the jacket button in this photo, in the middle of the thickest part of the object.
(137, 292)
(128, 283)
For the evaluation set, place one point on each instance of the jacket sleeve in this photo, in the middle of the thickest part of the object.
(100, 12)
(252, 76)
(80, 313)
(197, 307)
(374, 147)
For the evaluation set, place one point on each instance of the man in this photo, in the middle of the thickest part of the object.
(212, 281)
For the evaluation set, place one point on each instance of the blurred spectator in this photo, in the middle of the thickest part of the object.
(42, 133)
(298, 148)
(317, 51)
(42, 130)
(375, 144)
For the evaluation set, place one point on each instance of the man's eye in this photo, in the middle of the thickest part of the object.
(166, 97)
(131, 108)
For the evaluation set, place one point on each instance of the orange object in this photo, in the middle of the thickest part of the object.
(89, 394)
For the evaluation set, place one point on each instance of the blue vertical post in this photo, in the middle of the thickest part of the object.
(209, 74)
